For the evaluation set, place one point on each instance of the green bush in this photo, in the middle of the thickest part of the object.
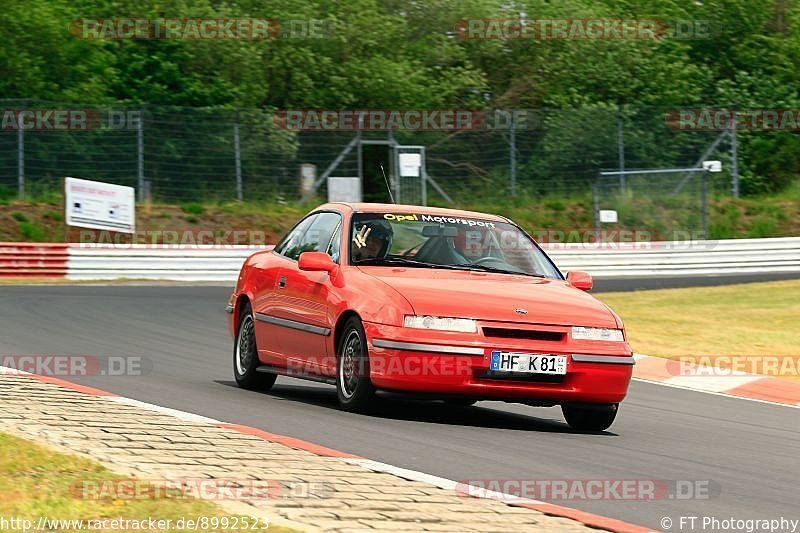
(19, 217)
(193, 209)
(6, 194)
(32, 232)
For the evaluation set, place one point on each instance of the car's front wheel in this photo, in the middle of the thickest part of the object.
(590, 417)
(245, 355)
(353, 386)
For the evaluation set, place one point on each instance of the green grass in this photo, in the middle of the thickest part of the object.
(32, 232)
(193, 209)
(747, 319)
(37, 482)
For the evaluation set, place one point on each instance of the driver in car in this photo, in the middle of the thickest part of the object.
(372, 240)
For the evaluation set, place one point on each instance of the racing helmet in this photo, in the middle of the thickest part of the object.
(381, 230)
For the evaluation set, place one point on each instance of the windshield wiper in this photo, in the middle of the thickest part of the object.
(485, 268)
(405, 261)
(402, 261)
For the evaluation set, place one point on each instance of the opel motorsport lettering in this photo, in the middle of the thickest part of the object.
(438, 303)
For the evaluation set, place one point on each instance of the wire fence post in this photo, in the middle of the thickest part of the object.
(734, 157)
(621, 150)
(513, 155)
(704, 202)
(140, 156)
(596, 209)
(237, 151)
(20, 161)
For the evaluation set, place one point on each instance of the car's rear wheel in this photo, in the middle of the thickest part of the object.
(590, 417)
(353, 386)
(245, 355)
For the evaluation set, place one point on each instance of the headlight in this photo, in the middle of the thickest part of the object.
(597, 334)
(464, 325)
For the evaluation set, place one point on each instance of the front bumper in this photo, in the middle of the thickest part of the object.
(448, 363)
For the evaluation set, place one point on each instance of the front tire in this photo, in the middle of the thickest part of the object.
(353, 386)
(590, 417)
(245, 355)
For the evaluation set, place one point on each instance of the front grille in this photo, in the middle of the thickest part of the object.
(528, 334)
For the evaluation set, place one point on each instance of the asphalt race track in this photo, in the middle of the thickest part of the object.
(750, 451)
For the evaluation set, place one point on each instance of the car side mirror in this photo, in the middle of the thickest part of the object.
(316, 262)
(580, 280)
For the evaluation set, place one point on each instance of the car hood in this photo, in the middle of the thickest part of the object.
(496, 297)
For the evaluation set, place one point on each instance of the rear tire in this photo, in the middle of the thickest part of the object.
(590, 417)
(353, 386)
(245, 355)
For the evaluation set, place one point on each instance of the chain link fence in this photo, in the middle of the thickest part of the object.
(179, 154)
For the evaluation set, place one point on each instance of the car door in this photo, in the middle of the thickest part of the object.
(305, 297)
(269, 299)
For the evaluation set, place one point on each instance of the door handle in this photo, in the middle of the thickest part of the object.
(282, 282)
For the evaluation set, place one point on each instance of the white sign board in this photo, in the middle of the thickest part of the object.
(344, 190)
(410, 164)
(98, 205)
(712, 166)
(608, 216)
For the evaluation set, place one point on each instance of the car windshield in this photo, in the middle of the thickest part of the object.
(435, 241)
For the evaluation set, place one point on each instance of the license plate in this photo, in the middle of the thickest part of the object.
(528, 363)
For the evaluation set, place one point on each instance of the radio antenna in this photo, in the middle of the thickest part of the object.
(388, 188)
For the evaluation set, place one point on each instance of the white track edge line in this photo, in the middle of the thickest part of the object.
(440, 482)
(723, 394)
(182, 415)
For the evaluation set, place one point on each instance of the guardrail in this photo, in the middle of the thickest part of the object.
(22, 260)
(675, 259)
(222, 263)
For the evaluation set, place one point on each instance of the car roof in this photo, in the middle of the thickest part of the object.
(365, 207)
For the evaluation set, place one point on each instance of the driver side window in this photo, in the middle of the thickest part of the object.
(289, 243)
(314, 234)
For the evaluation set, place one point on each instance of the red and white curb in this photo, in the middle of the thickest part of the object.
(588, 519)
(650, 369)
(715, 380)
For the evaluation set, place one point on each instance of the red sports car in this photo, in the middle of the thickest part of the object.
(381, 299)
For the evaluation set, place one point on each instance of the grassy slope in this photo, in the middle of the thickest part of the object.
(35, 481)
(773, 216)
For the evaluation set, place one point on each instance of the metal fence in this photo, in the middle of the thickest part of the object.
(174, 154)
